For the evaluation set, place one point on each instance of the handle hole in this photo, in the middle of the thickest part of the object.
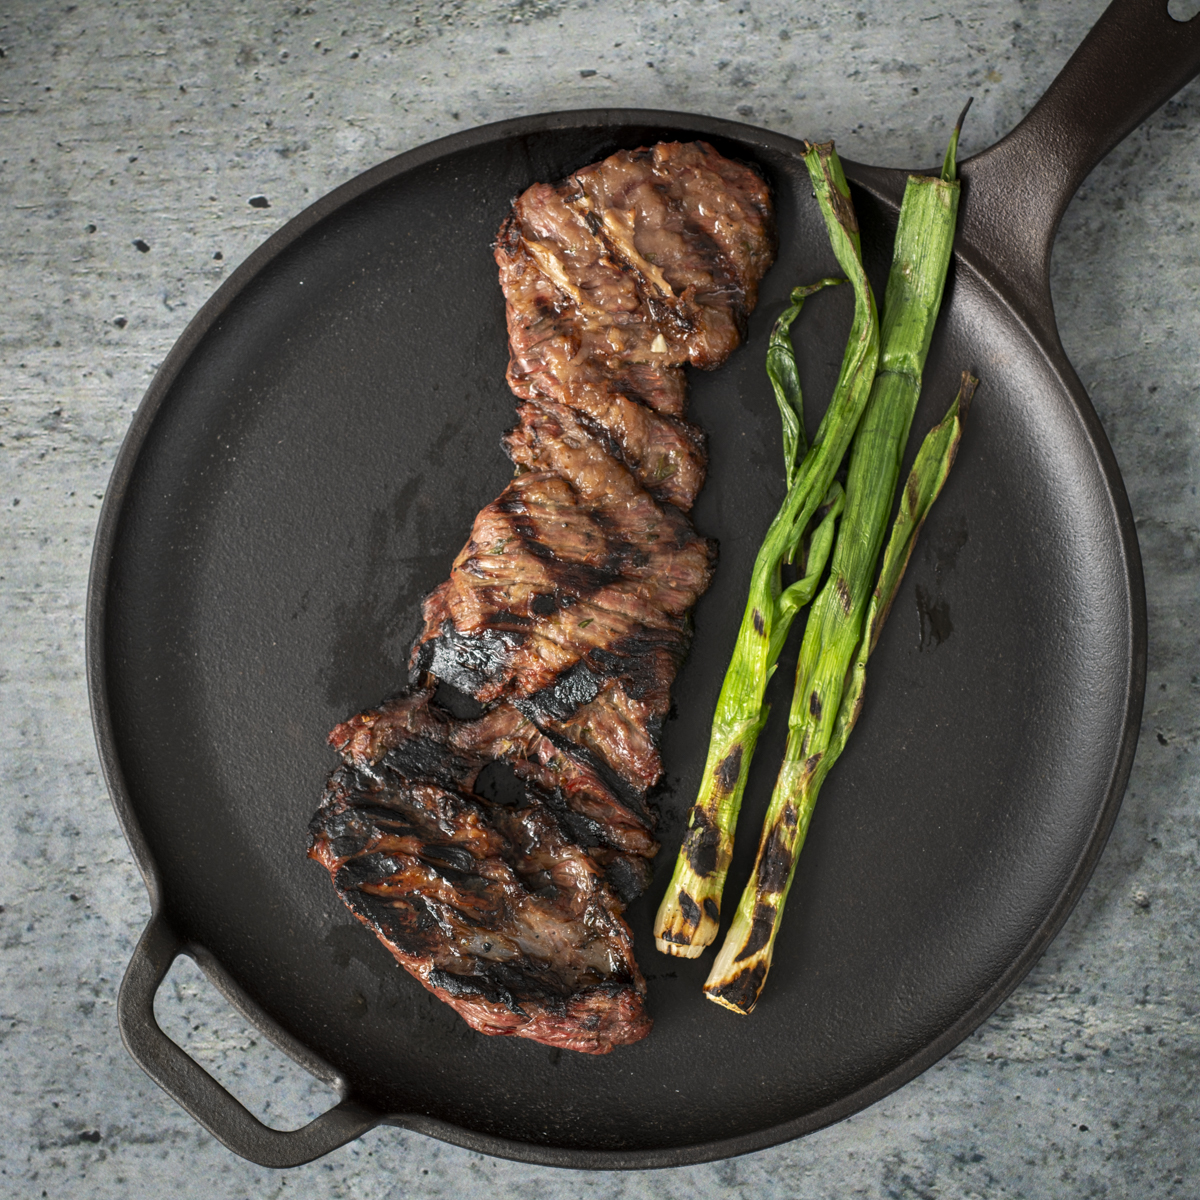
(1183, 10)
(198, 1019)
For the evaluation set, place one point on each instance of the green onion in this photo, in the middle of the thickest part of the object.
(817, 726)
(925, 480)
(689, 915)
(738, 974)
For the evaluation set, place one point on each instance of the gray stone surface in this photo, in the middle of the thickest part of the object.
(133, 137)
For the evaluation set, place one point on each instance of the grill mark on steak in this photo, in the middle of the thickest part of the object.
(573, 562)
(496, 910)
(493, 853)
(422, 741)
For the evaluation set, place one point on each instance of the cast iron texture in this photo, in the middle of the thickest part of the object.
(310, 457)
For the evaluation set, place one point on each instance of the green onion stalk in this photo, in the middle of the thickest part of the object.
(825, 703)
(930, 470)
(690, 911)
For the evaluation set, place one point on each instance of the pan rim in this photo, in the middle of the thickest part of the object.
(874, 181)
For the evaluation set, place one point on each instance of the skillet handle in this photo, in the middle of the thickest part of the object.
(1135, 58)
(193, 1088)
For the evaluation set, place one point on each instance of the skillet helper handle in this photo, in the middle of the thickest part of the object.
(194, 1089)
(1136, 57)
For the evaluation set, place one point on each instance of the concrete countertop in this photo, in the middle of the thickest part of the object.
(148, 148)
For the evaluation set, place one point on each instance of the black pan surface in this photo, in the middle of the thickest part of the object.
(310, 457)
(304, 470)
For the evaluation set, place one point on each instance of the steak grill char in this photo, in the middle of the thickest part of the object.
(494, 856)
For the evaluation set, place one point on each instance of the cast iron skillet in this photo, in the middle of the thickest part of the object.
(308, 460)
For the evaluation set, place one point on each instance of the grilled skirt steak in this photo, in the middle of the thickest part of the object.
(494, 856)
(507, 908)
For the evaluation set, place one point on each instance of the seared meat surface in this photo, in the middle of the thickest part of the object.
(423, 739)
(508, 909)
(574, 577)
(613, 279)
(494, 856)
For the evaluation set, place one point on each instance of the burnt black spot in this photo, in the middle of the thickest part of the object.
(509, 237)
(629, 876)
(728, 769)
(456, 857)
(406, 921)
(644, 662)
(690, 910)
(814, 705)
(657, 309)
(912, 492)
(504, 620)
(759, 624)
(573, 578)
(347, 847)
(843, 591)
(466, 661)
(543, 605)
(701, 843)
(458, 704)
(366, 869)
(499, 784)
(631, 797)
(512, 504)
(712, 909)
(473, 985)
(350, 832)
(423, 758)
(676, 939)
(742, 991)
(581, 830)
(574, 687)
(775, 864)
(760, 931)
(530, 543)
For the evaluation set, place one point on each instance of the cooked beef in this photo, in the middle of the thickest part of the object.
(651, 258)
(619, 729)
(619, 274)
(495, 908)
(574, 577)
(493, 856)
(426, 742)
